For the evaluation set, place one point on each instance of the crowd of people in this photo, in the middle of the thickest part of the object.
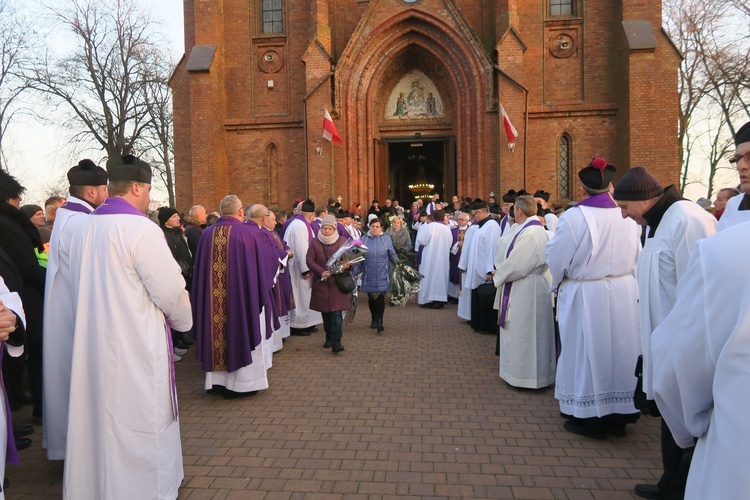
(627, 301)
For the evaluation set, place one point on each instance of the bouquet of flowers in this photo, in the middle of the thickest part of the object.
(404, 283)
(351, 252)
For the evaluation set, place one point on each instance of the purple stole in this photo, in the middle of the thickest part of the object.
(602, 200)
(507, 286)
(76, 207)
(11, 453)
(118, 206)
(503, 223)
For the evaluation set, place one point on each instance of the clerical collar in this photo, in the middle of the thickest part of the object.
(745, 203)
(484, 221)
(654, 215)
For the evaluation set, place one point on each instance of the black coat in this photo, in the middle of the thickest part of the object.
(180, 251)
(19, 237)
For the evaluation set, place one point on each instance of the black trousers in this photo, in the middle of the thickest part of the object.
(376, 302)
(676, 462)
(333, 324)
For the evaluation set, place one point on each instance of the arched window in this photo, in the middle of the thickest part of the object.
(563, 169)
(272, 18)
(561, 8)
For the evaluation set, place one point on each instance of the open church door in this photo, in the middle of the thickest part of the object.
(450, 181)
(381, 171)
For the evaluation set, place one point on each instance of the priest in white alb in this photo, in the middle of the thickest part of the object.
(298, 235)
(592, 258)
(526, 326)
(435, 240)
(123, 428)
(88, 189)
(701, 357)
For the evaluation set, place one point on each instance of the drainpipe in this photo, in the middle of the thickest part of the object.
(525, 120)
(304, 128)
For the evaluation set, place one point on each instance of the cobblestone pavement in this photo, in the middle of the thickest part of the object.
(418, 411)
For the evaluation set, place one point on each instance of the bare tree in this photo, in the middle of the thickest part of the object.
(158, 136)
(712, 81)
(100, 80)
(16, 52)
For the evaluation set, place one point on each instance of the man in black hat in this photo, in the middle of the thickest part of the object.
(550, 220)
(480, 266)
(673, 226)
(88, 189)
(737, 209)
(298, 235)
(592, 259)
(123, 430)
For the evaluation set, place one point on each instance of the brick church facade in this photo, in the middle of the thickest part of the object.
(415, 89)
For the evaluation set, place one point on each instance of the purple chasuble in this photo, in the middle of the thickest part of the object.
(507, 286)
(119, 206)
(76, 207)
(315, 226)
(283, 285)
(341, 229)
(229, 291)
(602, 200)
(269, 260)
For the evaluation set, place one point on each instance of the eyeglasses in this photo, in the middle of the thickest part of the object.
(737, 159)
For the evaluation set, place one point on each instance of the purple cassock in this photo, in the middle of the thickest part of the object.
(263, 237)
(232, 282)
(283, 287)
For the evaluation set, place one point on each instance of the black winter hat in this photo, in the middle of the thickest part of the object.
(637, 185)
(165, 213)
(87, 173)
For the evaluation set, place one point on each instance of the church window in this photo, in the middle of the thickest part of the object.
(563, 160)
(272, 18)
(561, 8)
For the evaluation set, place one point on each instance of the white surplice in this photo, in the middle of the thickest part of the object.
(12, 301)
(662, 264)
(123, 435)
(527, 341)
(59, 322)
(483, 251)
(551, 220)
(298, 238)
(702, 366)
(592, 259)
(464, 300)
(436, 240)
(732, 215)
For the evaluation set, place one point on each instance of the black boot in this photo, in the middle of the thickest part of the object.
(380, 325)
(374, 323)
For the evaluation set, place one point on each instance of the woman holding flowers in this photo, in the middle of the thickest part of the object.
(376, 271)
(326, 297)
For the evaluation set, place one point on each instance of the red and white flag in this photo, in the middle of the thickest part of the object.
(510, 131)
(329, 129)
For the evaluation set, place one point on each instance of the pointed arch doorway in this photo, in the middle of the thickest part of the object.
(401, 162)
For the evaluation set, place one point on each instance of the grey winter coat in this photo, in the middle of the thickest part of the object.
(376, 271)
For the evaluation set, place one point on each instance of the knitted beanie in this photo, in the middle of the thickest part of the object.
(637, 185)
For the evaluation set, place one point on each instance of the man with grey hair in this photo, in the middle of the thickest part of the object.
(592, 259)
(195, 223)
(232, 303)
(526, 337)
(298, 235)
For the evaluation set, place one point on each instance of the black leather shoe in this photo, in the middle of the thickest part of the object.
(299, 332)
(179, 344)
(22, 430)
(337, 348)
(648, 491)
(237, 395)
(374, 324)
(584, 431)
(311, 329)
(23, 443)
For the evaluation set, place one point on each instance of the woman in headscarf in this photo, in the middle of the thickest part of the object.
(376, 271)
(326, 297)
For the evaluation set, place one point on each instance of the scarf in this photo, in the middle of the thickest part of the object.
(328, 240)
